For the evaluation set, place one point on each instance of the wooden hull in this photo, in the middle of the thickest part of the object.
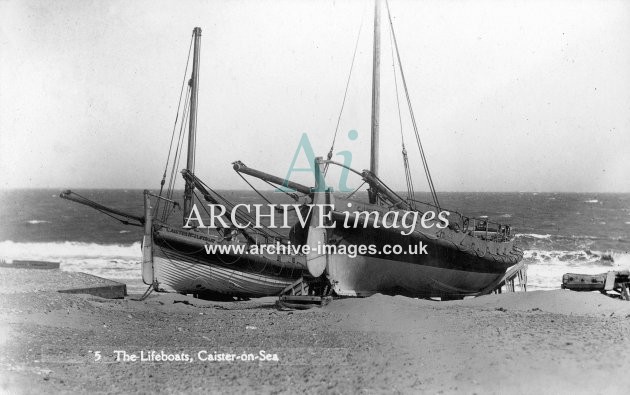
(365, 276)
(186, 275)
(180, 263)
(455, 265)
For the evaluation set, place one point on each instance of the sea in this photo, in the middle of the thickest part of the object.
(559, 232)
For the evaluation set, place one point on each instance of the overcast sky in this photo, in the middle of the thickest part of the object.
(508, 95)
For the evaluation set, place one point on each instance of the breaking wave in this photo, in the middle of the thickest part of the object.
(37, 221)
(576, 258)
(67, 249)
(115, 261)
(533, 235)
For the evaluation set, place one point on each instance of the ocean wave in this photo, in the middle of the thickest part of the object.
(581, 237)
(37, 221)
(10, 250)
(506, 216)
(583, 258)
(113, 261)
(591, 201)
(559, 236)
(533, 235)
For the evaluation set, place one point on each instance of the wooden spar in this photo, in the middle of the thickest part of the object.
(192, 129)
(376, 63)
(240, 167)
(69, 195)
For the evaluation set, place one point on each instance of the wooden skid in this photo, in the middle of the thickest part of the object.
(305, 294)
(115, 291)
(302, 302)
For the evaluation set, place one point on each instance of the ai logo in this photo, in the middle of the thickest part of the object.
(305, 147)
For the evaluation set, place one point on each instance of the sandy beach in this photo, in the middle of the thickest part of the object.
(535, 342)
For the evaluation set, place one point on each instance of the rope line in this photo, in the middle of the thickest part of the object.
(413, 118)
(408, 177)
(179, 102)
(345, 93)
(177, 156)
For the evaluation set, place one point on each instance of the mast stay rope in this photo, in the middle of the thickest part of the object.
(345, 93)
(179, 102)
(408, 177)
(413, 118)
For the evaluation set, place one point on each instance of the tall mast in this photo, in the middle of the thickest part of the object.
(192, 129)
(376, 65)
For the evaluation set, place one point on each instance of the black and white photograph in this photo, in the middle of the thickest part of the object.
(315, 196)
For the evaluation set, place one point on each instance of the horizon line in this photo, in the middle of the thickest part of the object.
(60, 189)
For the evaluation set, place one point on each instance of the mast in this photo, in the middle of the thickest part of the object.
(376, 63)
(192, 127)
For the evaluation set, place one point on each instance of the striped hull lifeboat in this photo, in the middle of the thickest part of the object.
(177, 260)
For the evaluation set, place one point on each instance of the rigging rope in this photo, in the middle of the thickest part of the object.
(345, 93)
(177, 157)
(182, 135)
(293, 196)
(413, 119)
(179, 102)
(408, 178)
(355, 191)
(230, 206)
(255, 190)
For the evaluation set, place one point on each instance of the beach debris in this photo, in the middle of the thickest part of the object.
(20, 264)
(616, 281)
